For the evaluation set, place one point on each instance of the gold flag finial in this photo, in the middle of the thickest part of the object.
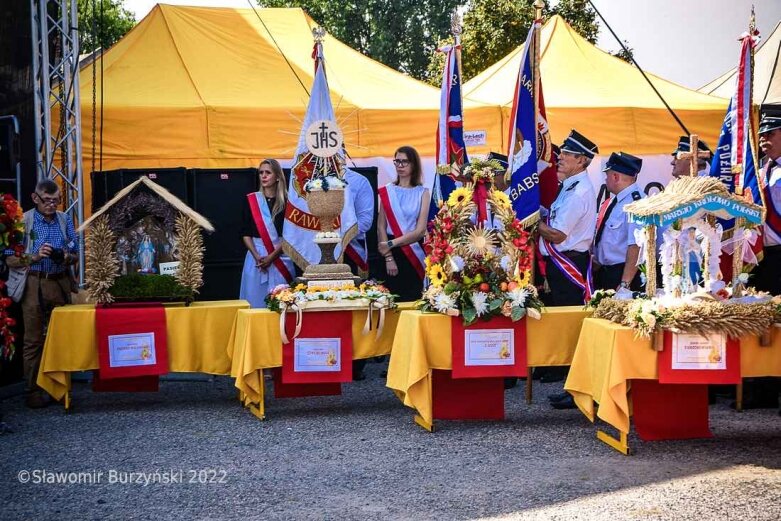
(318, 33)
(752, 22)
(538, 7)
(455, 24)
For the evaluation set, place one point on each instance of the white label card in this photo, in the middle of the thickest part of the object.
(132, 350)
(699, 351)
(489, 347)
(322, 355)
(169, 268)
(475, 137)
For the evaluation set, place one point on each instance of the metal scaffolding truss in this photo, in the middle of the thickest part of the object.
(55, 43)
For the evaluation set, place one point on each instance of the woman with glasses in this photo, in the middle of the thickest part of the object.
(401, 226)
(264, 214)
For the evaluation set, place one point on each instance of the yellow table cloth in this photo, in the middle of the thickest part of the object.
(422, 343)
(254, 344)
(196, 341)
(608, 355)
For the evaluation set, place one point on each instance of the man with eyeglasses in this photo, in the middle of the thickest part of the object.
(41, 277)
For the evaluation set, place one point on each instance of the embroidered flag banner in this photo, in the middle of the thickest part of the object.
(524, 186)
(451, 149)
(132, 340)
(300, 225)
(496, 348)
(734, 161)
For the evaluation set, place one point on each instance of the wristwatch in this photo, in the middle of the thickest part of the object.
(389, 244)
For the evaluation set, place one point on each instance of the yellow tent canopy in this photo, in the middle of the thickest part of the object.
(221, 87)
(602, 96)
(767, 73)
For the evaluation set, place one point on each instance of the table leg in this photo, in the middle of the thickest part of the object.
(67, 399)
(423, 423)
(529, 381)
(739, 397)
(620, 443)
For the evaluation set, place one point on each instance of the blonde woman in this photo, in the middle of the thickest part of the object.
(265, 266)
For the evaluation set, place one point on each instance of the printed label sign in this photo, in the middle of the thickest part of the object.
(699, 352)
(489, 347)
(131, 350)
(169, 268)
(475, 137)
(317, 355)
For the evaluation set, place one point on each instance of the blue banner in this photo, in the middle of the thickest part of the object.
(524, 189)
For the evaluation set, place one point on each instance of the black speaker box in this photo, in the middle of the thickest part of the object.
(220, 195)
(106, 184)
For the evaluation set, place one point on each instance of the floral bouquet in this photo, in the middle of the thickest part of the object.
(11, 235)
(284, 295)
(476, 272)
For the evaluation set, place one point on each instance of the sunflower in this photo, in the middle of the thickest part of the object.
(480, 241)
(437, 275)
(459, 196)
(525, 278)
(500, 199)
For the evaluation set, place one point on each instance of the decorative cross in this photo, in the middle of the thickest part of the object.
(694, 155)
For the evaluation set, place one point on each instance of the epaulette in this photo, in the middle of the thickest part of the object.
(636, 196)
(573, 186)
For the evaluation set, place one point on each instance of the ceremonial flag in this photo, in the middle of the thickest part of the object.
(735, 161)
(451, 150)
(300, 226)
(524, 189)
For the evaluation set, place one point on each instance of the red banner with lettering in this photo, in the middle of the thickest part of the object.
(323, 350)
(505, 328)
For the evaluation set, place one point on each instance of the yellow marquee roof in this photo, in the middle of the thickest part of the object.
(767, 73)
(605, 98)
(219, 87)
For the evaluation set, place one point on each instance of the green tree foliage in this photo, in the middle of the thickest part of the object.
(493, 28)
(102, 23)
(401, 34)
(626, 53)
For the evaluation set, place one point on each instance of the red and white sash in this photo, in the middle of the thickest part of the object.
(358, 254)
(569, 269)
(266, 231)
(773, 219)
(414, 252)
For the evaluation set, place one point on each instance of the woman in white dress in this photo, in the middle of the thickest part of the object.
(264, 214)
(401, 225)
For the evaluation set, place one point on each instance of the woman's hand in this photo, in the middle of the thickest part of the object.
(265, 262)
(383, 249)
(390, 266)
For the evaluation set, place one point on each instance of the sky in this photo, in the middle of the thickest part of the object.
(690, 42)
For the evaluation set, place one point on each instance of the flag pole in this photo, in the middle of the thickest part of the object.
(538, 6)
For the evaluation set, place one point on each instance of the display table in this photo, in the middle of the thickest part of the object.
(196, 342)
(422, 343)
(608, 356)
(254, 344)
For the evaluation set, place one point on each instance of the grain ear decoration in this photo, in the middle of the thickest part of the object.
(734, 320)
(101, 262)
(189, 244)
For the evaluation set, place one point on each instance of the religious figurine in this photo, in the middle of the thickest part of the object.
(145, 256)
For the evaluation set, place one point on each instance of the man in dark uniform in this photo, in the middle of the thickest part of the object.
(615, 249)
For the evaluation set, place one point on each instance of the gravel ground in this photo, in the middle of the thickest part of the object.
(360, 456)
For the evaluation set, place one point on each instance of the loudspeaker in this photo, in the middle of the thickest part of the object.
(9, 146)
(220, 195)
(106, 184)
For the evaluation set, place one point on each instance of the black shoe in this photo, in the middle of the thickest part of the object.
(557, 397)
(509, 383)
(566, 403)
(37, 400)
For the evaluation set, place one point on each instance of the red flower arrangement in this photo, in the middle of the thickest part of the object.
(11, 236)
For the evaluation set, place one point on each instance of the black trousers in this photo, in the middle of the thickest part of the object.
(563, 291)
(609, 277)
(767, 275)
